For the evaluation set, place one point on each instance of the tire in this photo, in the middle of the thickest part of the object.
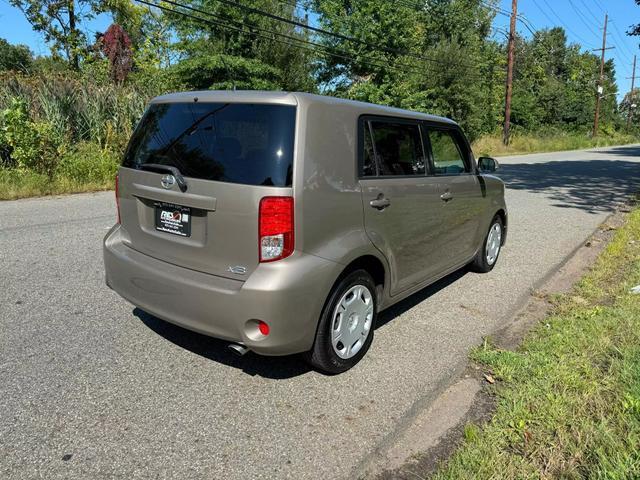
(356, 291)
(483, 262)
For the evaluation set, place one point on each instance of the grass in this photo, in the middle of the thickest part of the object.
(568, 400)
(86, 168)
(16, 184)
(491, 145)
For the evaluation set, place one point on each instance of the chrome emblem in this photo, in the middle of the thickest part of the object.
(168, 181)
(238, 270)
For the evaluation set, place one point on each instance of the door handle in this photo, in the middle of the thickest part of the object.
(446, 196)
(380, 203)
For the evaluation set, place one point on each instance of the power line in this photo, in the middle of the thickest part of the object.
(566, 27)
(617, 32)
(600, 6)
(521, 18)
(298, 41)
(339, 36)
(582, 18)
(597, 20)
(308, 45)
(372, 46)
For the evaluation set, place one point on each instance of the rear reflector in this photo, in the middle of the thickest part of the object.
(276, 239)
(117, 199)
(263, 327)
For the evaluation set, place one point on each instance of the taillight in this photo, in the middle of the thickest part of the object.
(275, 228)
(117, 199)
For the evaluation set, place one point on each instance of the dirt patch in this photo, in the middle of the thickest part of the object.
(408, 459)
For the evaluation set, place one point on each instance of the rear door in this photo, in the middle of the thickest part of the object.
(231, 155)
(401, 203)
(460, 192)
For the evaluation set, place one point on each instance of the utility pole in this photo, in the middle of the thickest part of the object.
(509, 87)
(631, 95)
(599, 90)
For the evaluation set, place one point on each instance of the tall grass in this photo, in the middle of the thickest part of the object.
(62, 132)
(78, 109)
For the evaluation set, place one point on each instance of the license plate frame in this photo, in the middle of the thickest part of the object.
(172, 219)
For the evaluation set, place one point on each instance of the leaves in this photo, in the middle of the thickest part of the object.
(116, 45)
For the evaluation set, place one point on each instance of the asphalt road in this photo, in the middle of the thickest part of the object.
(92, 388)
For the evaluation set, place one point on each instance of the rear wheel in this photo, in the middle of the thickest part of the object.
(487, 256)
(345, 330)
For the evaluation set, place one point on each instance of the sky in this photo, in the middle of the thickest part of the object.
(581, 19)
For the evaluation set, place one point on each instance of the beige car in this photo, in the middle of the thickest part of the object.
(285, 222)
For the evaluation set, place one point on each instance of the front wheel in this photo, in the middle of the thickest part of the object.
(487, 256)
(345, 330)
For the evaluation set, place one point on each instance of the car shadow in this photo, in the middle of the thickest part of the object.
(592, 184)
(420, 296)
(275, 368)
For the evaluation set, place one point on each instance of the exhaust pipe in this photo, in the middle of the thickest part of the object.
(238, 349)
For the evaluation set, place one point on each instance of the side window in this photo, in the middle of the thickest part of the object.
(447, 154)
(368, 163)
(398, 148)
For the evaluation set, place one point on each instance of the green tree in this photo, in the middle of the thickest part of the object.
(635, 29)
(241, 49)
(15, 57)
(436, 58)
(629, 105)
(59, 22)
(555, 85)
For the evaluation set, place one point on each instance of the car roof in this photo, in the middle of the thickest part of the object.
(293, 98)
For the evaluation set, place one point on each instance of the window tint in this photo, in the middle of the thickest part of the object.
(368, 164)
(236, 143)
(447, 157)
(398, 148)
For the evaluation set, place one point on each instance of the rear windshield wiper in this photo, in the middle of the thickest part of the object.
(166, 168)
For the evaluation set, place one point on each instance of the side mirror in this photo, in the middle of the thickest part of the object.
(487, 164)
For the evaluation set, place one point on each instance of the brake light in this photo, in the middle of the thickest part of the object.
(275, 226)
(117, 200)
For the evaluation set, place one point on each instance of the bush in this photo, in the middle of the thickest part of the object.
(30, 145)
(88, 163)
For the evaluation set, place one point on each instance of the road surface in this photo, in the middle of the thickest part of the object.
(92, 388)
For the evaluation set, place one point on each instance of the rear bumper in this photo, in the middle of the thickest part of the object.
(288, 295)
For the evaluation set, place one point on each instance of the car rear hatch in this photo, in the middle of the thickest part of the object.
(192, 179)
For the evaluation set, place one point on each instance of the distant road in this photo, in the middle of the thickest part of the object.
(92, 388)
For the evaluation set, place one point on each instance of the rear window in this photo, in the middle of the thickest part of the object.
(229, 142)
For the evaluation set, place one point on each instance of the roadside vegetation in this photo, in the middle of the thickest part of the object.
(63, 133)
(568, 400)
(491, 145)
(65, 118)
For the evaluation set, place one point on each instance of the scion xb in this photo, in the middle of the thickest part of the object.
(285, 222)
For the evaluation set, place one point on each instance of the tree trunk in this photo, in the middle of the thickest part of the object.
(73, 37)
